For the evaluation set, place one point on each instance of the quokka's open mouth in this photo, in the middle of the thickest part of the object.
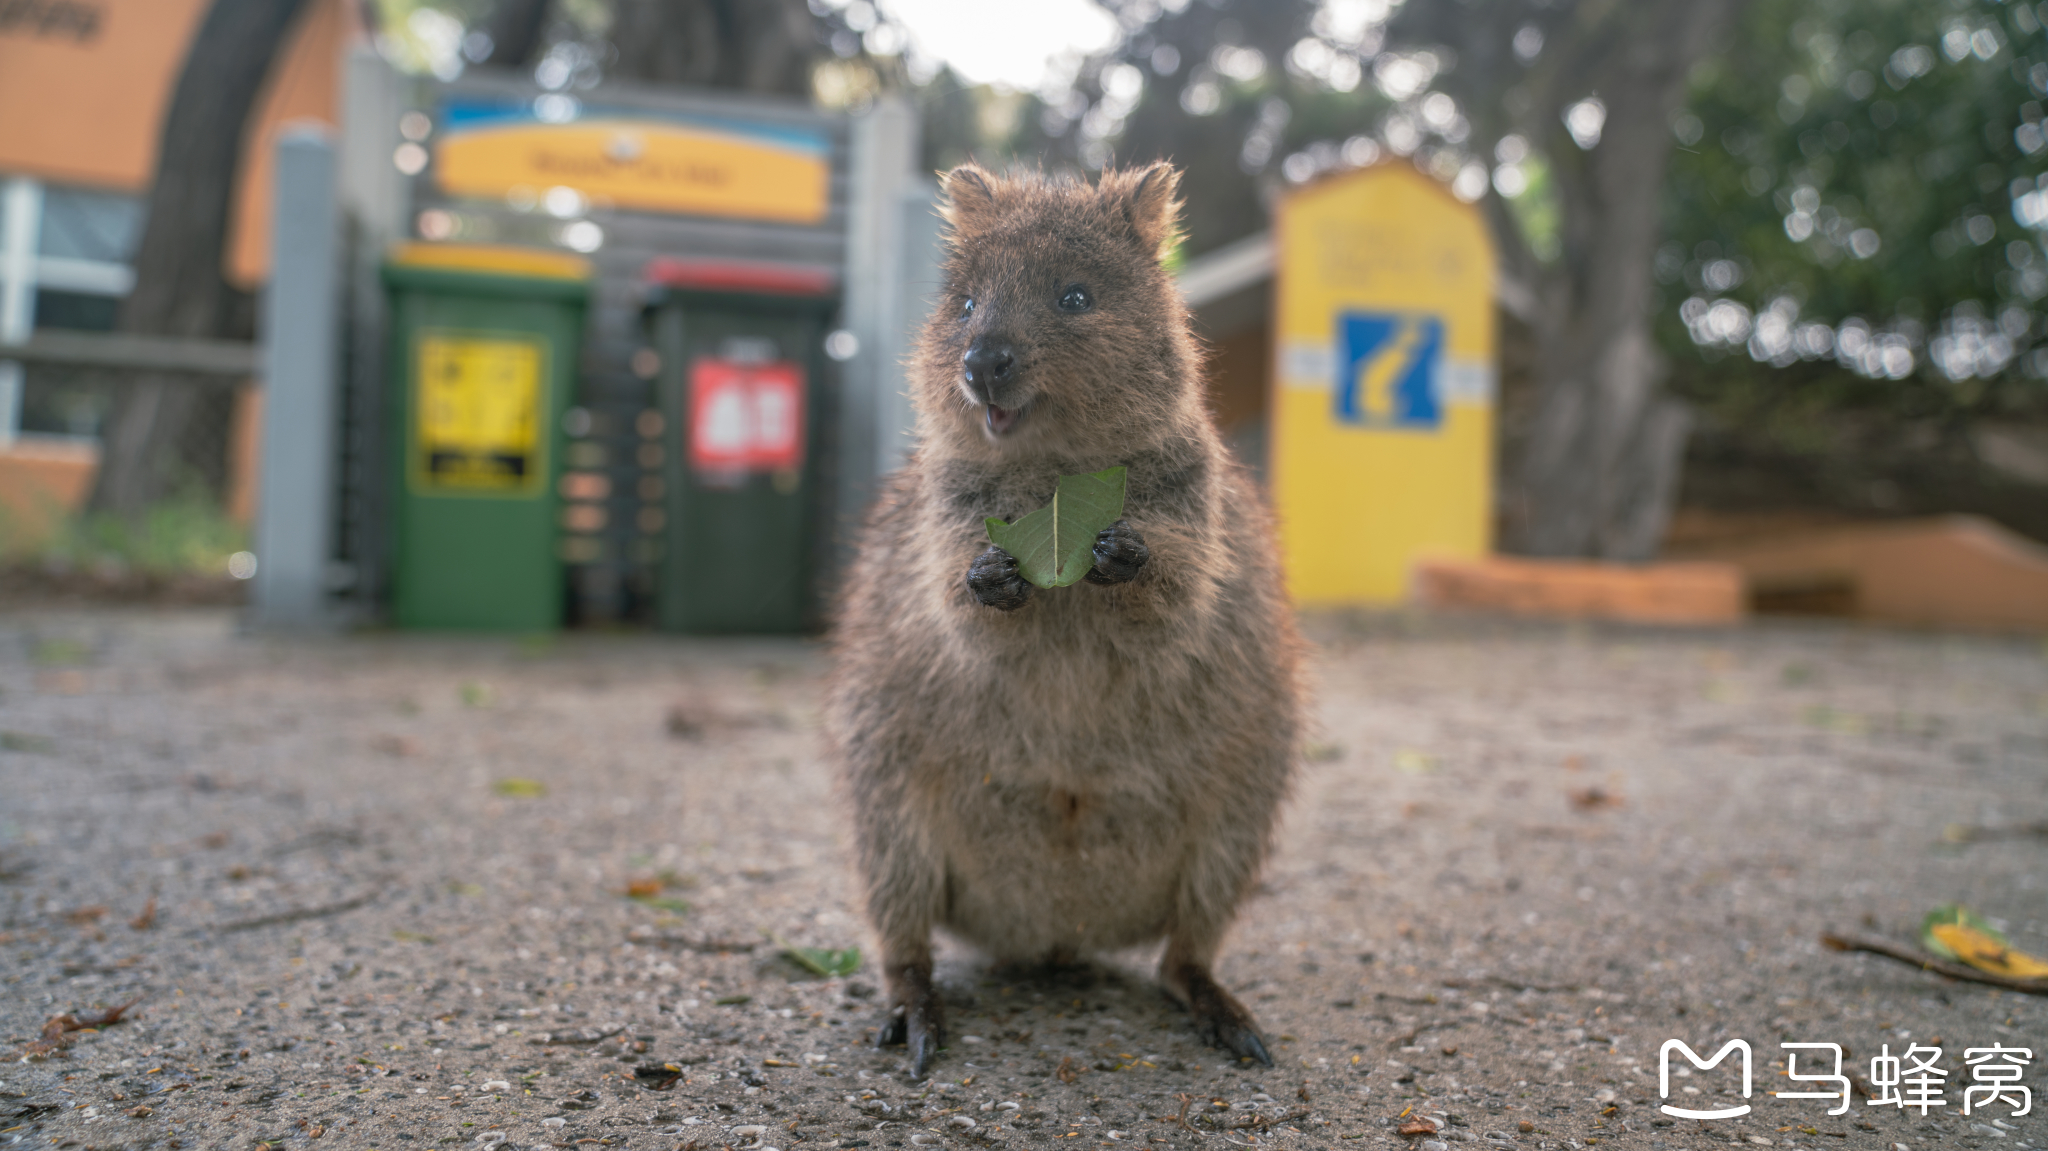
(1001, 420)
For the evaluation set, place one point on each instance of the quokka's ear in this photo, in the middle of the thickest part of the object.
(970, 199)
(1150, 202)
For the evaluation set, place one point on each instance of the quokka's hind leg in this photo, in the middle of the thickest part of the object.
(1219, 1018)
(1215, 877)
(902, 876)
(916, 1016)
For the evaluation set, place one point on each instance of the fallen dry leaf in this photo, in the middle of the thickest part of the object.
(397, 746)
(1956, 932)
(147, 919)
(1593, 798)
(1068, 1069)
(1418, 1126)
(57, 1030)
(86, 915)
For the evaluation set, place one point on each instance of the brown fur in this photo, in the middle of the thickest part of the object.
(1100, 767)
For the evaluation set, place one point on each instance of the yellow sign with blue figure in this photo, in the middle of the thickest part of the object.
(1382, 422)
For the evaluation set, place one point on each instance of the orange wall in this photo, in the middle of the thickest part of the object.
(40, 484)
(87, 109)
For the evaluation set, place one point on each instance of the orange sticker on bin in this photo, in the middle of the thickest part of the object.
(746, 416)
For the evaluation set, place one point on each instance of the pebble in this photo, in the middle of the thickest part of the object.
(495, 1085)
(962, 1122)
(924, 1140)
(1987, 1129)
(556, 1121)
(1760, 1141)
(750, 1131)
(1604, 1095)
(491, 1138)
(1525, 1127)
(1009, 1105)
(1435, 1145)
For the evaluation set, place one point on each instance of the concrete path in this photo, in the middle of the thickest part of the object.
(378, 892)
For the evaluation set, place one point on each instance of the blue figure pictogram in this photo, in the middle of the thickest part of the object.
(1387, 369)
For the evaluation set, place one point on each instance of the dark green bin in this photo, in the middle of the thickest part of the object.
(741, 540)
(484, 347)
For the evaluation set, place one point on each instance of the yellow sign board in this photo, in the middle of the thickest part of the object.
(1382, 430)
(639, 164)
(479, 406)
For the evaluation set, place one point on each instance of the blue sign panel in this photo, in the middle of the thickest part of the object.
(1387, 369)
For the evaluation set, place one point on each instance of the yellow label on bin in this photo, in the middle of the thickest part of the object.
(479, 413)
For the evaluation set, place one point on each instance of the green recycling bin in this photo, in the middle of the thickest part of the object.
(741, 353)
(484, 345)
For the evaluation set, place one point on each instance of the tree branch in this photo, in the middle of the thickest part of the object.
(1960, 971)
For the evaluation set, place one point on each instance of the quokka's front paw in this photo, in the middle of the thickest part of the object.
(1119, 552)
(996, 582)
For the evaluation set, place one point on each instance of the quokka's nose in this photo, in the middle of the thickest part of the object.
(989, 362)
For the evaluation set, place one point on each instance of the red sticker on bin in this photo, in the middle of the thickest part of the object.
(746, 416)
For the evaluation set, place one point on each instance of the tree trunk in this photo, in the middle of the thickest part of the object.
(515, 28)
(765, 46)
(1597, 473)
(180, 289)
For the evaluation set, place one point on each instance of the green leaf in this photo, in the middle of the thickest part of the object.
(517, 788)
(1055, 545)
(21, 741)
(819, 960)
(1957, 914)
(826, 962)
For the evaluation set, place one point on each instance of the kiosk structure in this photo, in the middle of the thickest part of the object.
(1382, 419)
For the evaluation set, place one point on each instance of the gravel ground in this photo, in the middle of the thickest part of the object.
(378, 891)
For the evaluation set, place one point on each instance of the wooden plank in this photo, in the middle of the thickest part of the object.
(1662, 593)
(120, 351)
(1957, 571)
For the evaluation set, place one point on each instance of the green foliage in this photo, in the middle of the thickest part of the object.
(1535, 210)
(824, 961)
(1852, 192)
(1054, 546)
(189, 534)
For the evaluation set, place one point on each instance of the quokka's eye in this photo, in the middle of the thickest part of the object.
(967, 306)
(1075, 298)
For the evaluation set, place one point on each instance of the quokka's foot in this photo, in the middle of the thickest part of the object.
(1219, 1018)
(917, 1021)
